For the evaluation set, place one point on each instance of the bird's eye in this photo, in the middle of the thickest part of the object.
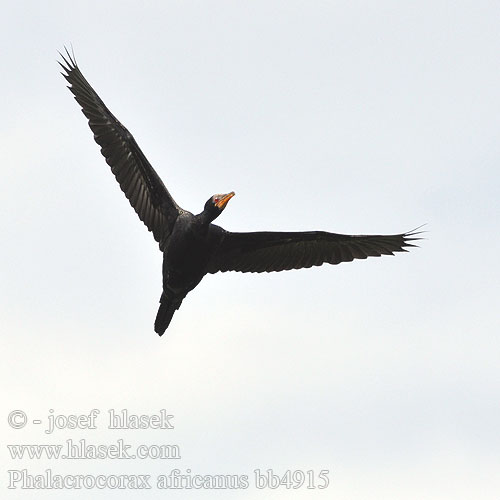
(216, 200)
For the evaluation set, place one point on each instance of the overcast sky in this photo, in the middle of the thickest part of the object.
(345, 116)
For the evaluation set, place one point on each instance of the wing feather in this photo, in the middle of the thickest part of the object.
(138, 180)
(274, 251)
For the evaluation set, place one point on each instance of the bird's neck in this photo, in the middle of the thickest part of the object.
(205, 218)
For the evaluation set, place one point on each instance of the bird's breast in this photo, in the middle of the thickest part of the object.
(187, 250)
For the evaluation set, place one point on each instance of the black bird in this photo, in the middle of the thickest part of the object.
(192, 246)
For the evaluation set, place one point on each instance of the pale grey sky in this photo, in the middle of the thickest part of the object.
(353, 117)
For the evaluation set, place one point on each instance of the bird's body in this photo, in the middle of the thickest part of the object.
(187, 251)
(192, 246)
(185, 259)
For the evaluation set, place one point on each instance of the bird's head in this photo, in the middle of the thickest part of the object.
(216, 204)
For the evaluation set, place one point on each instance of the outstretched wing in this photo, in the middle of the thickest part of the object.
(138, 180)
(275, 251)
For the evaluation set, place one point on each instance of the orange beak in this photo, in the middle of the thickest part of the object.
(223, 201)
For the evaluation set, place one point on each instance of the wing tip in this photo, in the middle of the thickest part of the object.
(413, 235)
(68, 59)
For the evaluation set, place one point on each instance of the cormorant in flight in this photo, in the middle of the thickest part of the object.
(192, 246)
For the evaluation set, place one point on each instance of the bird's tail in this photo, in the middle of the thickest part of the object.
(168, 305)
